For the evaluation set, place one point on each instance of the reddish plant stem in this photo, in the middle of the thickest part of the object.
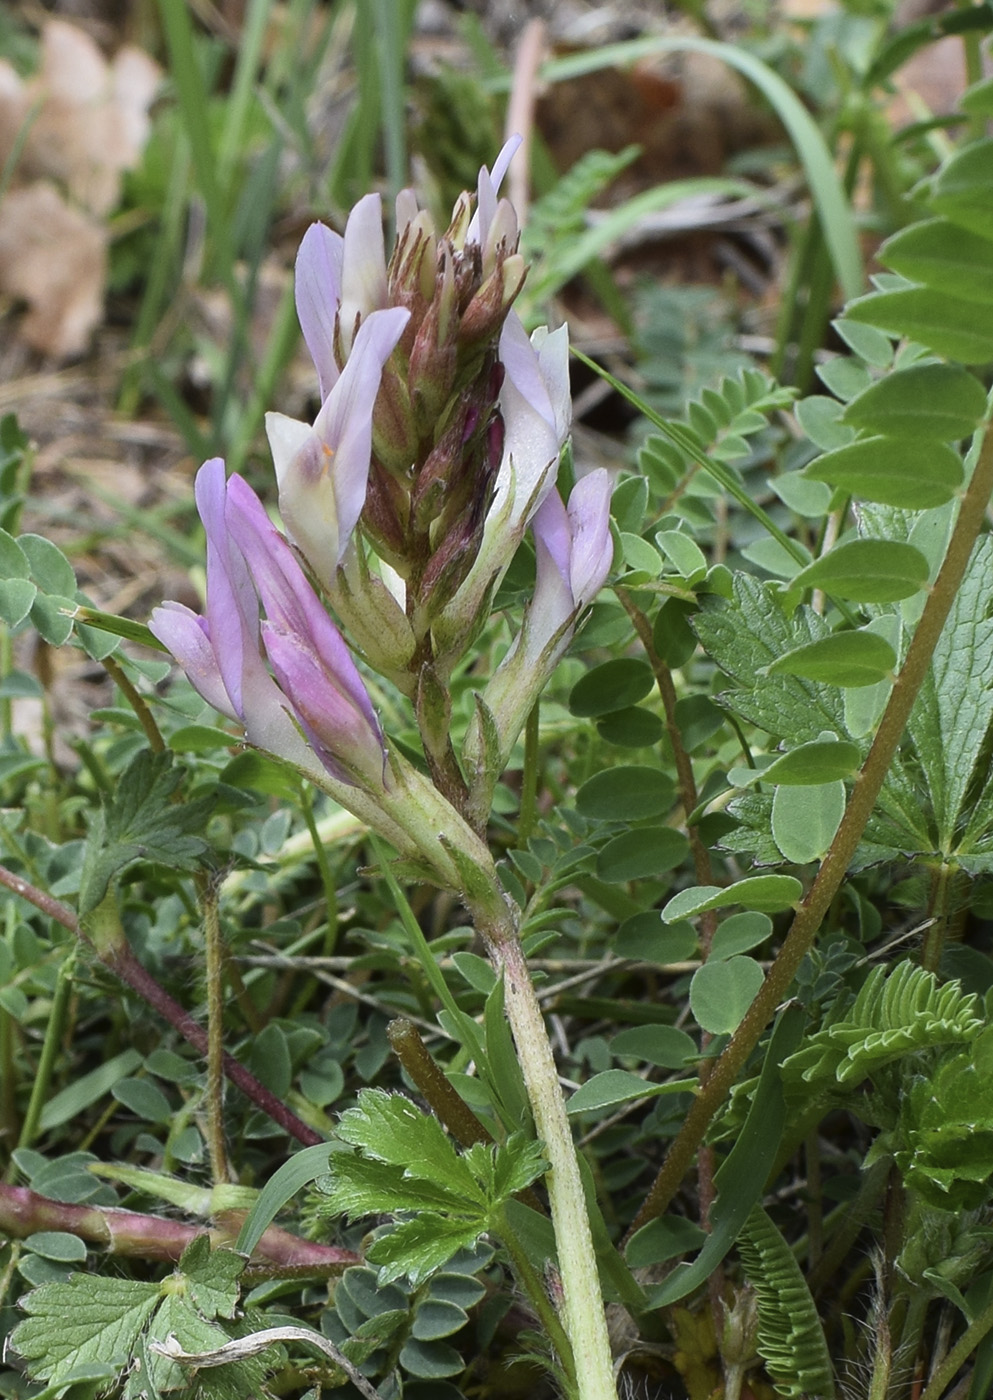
(23, 1212)
(122, 961)
(811, 912)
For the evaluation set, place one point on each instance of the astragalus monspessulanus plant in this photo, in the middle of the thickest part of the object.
(436, 449)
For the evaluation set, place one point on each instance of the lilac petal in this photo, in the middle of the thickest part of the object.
(232, 606)
(592, 547)
(486, 192)
(318, 296)
(185, 634)
(303, 642)
(322, 486)
(363, 286)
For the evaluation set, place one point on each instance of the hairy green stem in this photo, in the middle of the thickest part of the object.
(582, 1310)
(214, 971)
(814, 907)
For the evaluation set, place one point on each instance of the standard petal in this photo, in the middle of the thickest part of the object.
(232, 606)
(322, 486)
(487, 187)
(318, 296)
(363, 276)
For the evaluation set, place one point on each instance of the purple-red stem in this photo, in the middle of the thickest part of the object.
(23, 1212)
(122, 961)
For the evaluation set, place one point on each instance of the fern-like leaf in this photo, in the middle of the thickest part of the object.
(790, 1337)
(896, 1013)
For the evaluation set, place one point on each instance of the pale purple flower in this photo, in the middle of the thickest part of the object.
(536, 406)
(319, 690)
(574, 550)
(323, 471)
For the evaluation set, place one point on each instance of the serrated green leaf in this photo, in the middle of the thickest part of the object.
(139, 823)
(914, 475)
(940, 403)
(944, 256)
(393, 1130)
(721, 993)
(769, 894)
(86, 1320)
(844, 659)
(504, 1169)
(212, 1277)
(868, 571)
(958, 329)
(614, 1086)
(805, 820)
(954, 708)
(744, 637)
(416, 1248)
(361, 1186)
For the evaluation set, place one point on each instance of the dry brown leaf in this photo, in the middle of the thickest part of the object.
(90, 118)
(53, 257)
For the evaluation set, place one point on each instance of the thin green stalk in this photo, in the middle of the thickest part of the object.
(161, 268)
(250, 42)
(214, 972)
(137, 702)
(582, 1309)
(868, 784)
(49, 1050)
(392, 25)
(324, 868)
(959, 1354)
(536, 1291)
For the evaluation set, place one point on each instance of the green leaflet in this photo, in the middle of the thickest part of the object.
(790, 1337)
